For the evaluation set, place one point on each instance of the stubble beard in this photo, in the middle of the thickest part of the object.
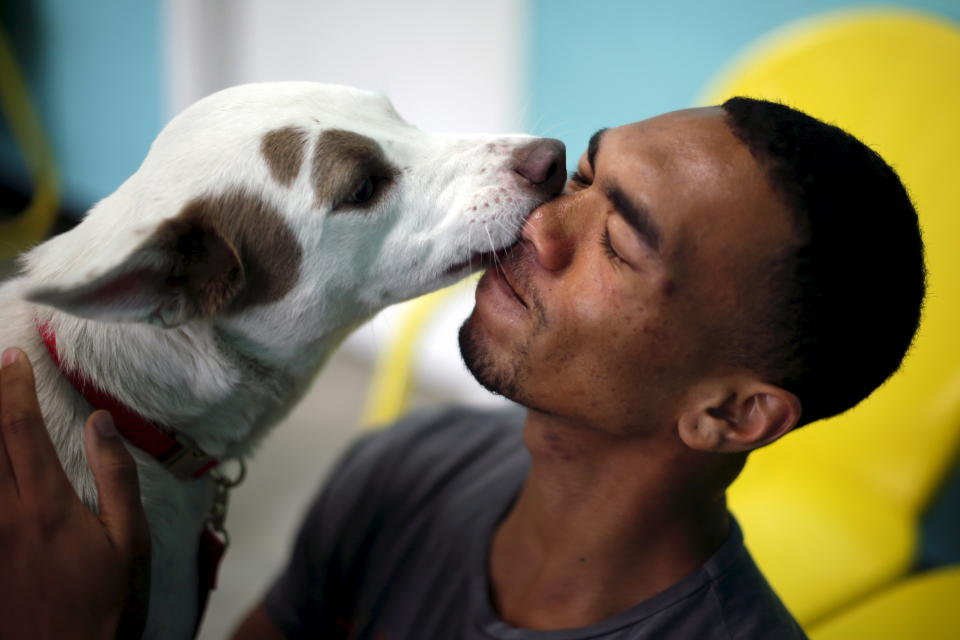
(501, 378)
(505, 376)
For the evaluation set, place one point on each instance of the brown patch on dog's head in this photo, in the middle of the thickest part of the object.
(284, 150)
(268, 252)
(342, 160)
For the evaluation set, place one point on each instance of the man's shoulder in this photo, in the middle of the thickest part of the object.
(426, 452)
(749, 606)
(389, 475)
(441, 436)
(453, 422)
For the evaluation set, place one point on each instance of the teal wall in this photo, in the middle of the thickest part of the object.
(94, 70)
(608, 62)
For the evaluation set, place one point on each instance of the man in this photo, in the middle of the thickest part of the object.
(711, 279)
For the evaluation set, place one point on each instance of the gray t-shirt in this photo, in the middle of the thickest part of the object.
(395, 548)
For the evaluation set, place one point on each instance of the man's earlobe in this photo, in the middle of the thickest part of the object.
(184, 271)
(738, 417)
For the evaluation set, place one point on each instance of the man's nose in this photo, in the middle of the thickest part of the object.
(541, 164)
(548, 231)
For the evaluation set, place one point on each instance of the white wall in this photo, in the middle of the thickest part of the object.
(447, 66)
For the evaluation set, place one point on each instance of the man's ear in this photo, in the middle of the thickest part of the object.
(736, 414)
(185, 270)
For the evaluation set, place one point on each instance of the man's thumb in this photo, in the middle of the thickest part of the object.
(118, 486)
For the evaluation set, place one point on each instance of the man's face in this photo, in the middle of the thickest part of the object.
(625, 289)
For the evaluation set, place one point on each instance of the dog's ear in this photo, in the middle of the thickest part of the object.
(185, 270)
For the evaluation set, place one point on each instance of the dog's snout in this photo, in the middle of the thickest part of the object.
(542, 164)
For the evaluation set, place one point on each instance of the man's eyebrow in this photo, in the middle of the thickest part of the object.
(636, 215)
(594, 146)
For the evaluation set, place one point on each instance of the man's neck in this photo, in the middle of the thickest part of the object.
(603, 522)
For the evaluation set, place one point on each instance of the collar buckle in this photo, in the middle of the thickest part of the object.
(187, 460)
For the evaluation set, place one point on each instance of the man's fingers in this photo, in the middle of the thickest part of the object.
(118, 485)
(8, 483)
(121, 512)
(32, 457)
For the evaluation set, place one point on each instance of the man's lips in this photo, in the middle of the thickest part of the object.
(497, 264)
(502, 274)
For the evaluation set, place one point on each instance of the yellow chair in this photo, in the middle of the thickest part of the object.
(392, 382)
(33, 224)
(830, 513)
(924, 606)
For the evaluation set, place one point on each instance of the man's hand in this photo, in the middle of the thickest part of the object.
(66, 572)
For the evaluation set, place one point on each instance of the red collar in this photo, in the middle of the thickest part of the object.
(178, 453)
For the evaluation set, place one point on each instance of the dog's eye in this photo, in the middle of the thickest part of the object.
(362, 193)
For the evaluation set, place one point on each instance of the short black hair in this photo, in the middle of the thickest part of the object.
(845, 301)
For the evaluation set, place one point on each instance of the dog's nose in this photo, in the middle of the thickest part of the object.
(543, 164)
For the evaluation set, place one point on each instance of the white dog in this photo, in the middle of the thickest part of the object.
(266, 223)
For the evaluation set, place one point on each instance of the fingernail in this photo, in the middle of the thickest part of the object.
(103, 423)
(10, 356)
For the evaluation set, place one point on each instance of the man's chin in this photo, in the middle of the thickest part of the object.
(497, 378)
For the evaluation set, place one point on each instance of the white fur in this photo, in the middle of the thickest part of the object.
(224, 380)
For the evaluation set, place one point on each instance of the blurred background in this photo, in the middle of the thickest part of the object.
(856, 522)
